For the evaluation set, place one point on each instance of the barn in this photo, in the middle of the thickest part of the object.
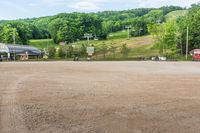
(23, 52)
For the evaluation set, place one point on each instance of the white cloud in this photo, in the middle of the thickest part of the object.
(85, 5)
(54, 2)
(159, 3)
(100, 4)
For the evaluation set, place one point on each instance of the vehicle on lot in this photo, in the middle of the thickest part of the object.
(195, 54)
(159, 58)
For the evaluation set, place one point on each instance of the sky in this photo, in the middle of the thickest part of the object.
(15, 9)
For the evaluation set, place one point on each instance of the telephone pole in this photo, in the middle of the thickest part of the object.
(128, 27)
(14, 42)
(187, 43)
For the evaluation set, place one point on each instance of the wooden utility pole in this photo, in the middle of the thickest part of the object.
(187, 43)
(128, 27)
(14, 42)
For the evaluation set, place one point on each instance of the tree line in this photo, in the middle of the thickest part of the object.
(70, 27)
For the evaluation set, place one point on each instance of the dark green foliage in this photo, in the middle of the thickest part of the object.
(70, 27)
(192, 21)
(24, 31)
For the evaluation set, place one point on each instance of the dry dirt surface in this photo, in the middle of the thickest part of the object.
(100, 97)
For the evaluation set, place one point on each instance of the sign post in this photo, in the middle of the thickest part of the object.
(88, 36)
(90, 52)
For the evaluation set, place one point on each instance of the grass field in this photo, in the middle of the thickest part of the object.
(117, 35)
(42, 43)
(175, 14)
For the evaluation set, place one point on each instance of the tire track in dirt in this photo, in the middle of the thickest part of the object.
(11, 113)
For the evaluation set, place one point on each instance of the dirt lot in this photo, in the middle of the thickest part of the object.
(100, 97)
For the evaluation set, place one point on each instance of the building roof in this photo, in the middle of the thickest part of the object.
(19, 49)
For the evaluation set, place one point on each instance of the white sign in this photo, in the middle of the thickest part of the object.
(90, 51)
(88, 35)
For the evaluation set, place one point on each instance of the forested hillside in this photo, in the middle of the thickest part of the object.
(171, 36)
(70, 27)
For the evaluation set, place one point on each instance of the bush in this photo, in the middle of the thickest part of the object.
(62, 52)
(83, 50)
(70, 52)
(51, 52)
(124, 50)
(104, 49)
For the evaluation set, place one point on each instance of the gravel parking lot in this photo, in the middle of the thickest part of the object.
(100, 97)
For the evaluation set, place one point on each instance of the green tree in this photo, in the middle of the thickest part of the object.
(54, 27)
(7, 32)
(158, 32)
(165, 36)
(170, 37)
(192, 21)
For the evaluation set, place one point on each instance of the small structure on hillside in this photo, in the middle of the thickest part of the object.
(10, 51)
(62, 43)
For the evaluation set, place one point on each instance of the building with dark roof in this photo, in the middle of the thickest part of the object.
(19, 50)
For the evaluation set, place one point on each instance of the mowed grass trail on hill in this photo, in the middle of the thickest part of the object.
(175, 14)
(138, 46)
(42, 43)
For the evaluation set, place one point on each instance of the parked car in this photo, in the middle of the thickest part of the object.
(195, 54)
(161, 58)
